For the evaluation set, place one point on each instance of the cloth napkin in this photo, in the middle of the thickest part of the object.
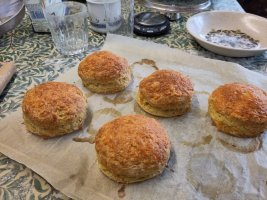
(7, 70)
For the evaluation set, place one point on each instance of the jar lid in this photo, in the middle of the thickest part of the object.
(179, 5)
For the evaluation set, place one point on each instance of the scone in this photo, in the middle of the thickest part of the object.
(54, 108)
(105, 72)
(239, 109)
(132, 148)
(165, 93)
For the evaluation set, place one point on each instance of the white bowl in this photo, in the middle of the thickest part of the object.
(254, 26)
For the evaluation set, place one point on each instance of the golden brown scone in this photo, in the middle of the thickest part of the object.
(105, 72)
(239, 109)
(165, 93)
(54, 108)
(132, 148)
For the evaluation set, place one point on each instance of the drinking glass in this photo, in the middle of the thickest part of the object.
(68, 25)
(113, 16)
(127, 18)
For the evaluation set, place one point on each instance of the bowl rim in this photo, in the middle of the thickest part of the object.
(22, 6)
(197, 37)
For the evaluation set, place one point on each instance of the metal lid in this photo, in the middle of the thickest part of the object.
(150, 19)
(179, 5)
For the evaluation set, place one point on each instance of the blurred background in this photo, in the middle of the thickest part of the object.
(258, 7)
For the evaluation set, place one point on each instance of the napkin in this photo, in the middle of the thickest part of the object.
(7, 70)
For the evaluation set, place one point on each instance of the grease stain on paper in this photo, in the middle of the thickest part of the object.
(205, 140)
(80, 177)
(172, 160)
(143, 68)
(210, 176)
(90, 139)
(120, 98)
(148, 62)
(121, 191)
(107, 111)
(241, 145)
(113, 113)
(202, 92)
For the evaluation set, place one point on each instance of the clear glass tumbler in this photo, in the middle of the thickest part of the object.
(68, 25)
(127, 18)
(113, 16)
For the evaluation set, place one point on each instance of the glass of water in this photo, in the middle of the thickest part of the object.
(113, 16)
(68, 25)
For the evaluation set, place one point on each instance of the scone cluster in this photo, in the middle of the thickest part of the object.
(134, 148)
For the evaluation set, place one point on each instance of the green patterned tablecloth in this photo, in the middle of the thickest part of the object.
(37, 61)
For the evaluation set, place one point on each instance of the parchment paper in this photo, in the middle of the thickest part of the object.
(201, 165)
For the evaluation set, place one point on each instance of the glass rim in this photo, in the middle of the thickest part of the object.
(101, 2)
(83, 10)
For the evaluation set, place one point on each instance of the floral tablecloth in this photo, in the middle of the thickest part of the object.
(37, 61)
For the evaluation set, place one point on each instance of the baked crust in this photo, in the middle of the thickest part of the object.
(239, 109)
(171, 112)
(132, 148)
(54, 108)
(105, 72)
(165, 93)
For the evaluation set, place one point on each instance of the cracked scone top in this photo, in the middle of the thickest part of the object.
(104, 72)
(54, 108)
(239, 109)
(165, 93)
(132, 148)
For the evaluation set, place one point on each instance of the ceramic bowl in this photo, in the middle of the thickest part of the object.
(254, 26)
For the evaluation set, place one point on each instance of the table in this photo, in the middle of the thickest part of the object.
(38, 61)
